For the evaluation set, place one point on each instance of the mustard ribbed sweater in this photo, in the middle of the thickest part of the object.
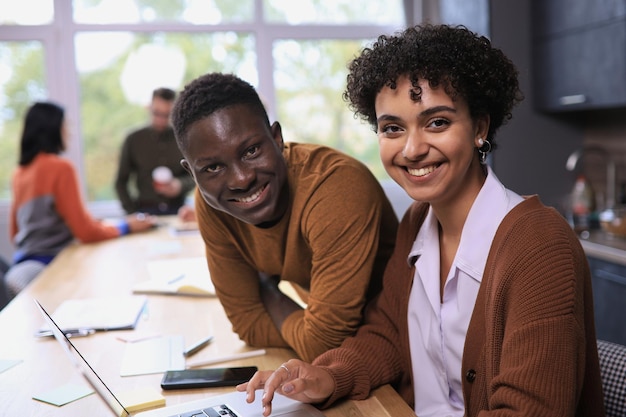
(338, 234)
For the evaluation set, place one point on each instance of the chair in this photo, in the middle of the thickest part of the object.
(20, 275)
(4, 267)
(613, 372)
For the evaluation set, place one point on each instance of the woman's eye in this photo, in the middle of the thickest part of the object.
(438, 123)
(390, 129)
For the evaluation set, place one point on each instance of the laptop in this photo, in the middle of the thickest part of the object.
(226, 405)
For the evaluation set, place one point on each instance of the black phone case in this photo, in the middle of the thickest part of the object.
(196, 378)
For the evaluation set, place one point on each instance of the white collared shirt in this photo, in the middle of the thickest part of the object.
(437, 330)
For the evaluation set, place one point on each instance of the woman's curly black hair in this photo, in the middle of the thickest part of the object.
(207, 94)
(464, 63)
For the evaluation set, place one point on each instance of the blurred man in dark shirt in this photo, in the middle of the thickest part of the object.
(150, 178)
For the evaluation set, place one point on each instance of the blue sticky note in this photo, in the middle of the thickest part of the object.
(64, 394)
(8, 364)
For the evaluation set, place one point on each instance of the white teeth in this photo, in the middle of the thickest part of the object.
(421, 171)
(251, 198)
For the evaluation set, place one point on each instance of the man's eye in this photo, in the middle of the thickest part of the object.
(251, 151)
(213, 168)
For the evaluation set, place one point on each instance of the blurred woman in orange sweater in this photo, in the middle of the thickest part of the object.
(47, 212)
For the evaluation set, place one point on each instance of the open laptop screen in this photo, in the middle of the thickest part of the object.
(83, 366)
(220, 405)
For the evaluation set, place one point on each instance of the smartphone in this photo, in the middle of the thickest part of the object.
(208, 377)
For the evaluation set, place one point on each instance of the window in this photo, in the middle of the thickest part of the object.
(101, 59)
(117, 73)
(338, 12)
(21, 83)
(199, 12)
(29, 12)
(309, 78)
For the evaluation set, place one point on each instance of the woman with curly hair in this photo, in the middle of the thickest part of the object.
(486, 307)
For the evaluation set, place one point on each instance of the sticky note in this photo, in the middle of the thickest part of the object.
(64, 394)
(141, 399)
(8, 364)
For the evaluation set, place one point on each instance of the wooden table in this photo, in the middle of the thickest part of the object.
(110, 269)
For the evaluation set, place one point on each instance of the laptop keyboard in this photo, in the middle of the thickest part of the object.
(215, 411)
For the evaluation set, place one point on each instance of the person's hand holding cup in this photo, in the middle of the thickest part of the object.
(165, 183)
(161, 177)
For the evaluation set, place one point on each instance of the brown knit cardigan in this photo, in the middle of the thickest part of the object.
(530, 349)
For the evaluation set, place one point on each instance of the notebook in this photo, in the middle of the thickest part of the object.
(231, 405)
(180, 276)
(96, 314)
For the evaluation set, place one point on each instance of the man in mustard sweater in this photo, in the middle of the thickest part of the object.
(270, 211)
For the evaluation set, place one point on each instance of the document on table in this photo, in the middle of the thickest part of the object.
(152, 356)
(180, 276)
(99, 313)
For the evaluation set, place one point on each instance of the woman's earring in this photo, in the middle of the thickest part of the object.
(483, 150)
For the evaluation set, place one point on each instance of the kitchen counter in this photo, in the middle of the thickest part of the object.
(604, 246)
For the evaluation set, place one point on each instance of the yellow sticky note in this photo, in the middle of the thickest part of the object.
(141, 399)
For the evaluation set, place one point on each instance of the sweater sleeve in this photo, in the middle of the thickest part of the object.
(73, 211)
(379, 352)
(371, 358)
(236, 282)
(342, 223)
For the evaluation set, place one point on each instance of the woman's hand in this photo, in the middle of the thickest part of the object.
(295, 379)
(140, 222)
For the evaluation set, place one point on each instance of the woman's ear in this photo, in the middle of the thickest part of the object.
(482, 129)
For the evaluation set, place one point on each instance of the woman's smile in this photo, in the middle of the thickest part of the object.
(421, 172)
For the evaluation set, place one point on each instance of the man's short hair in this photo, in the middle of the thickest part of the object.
(209, 93)
(164, 93)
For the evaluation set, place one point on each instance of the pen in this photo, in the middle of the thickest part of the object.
(178, 278)
(227, 358)
(197, 346)
(82, 332)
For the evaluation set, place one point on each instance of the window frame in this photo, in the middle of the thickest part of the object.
(62, 80)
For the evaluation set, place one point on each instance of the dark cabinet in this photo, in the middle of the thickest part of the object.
(579, 54)
(555, 17)
(609, 299)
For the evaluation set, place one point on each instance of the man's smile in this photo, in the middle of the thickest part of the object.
(251, 198)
